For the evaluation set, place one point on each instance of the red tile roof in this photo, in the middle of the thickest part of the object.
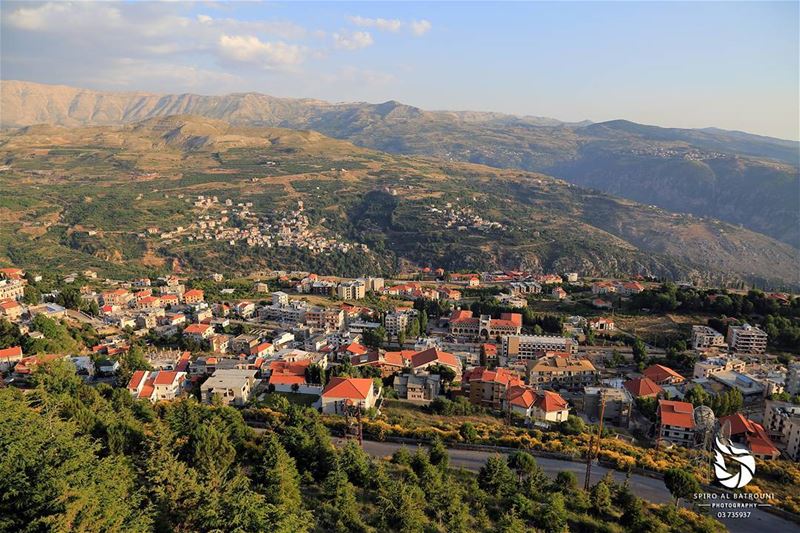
(433, 355)
(661, 373)
(349, 388)
(756, 438)
(14, 351)
(678, 414)
(549, 401)
(165, 377)
(196, 329)
(286, 379)
(136, 379)
(643, 387)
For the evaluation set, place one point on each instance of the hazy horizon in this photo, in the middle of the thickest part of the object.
(684, 65)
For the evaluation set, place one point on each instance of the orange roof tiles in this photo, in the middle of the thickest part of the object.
(643, 387)
(678, 414)
(433, 355)
(349, 388)
(661, 373)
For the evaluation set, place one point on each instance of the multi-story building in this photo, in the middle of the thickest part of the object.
(193, 296)
(793, 379)
(198, 332)
(525, 287)
(397, 321)
(462, 323)
(529, 347)
(119, 297)
(12, 289)
(373, 284)
(715, 365)
(617, 409)
(747, 339)
(341, 393)
(676, 422)
(704, 337)
(294, 311)
(561, 370)
(488, 388)
(351, 290)
(231, 386)
(327, 318)
(243, 343)
(541, 406)
(417, 388)
(280, 298)
(157, 385)
(782, 424)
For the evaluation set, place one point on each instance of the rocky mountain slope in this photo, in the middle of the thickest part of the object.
(740, 178)
(106, 196)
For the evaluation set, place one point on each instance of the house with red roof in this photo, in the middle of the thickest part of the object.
(341, 393)
(559, 293)
(643, 388)
(120, 297)
(545, 406)
(434, 356)
(464, 324)
(11, 309)
(290, 376)
(676, 422)
(387, 362)
(199, 332)
(159, 385)
(12, 273)
(752, 435)
(487, 387)
(663, 375)
(193, 296)
(27, 365)
(262, 350)
(10, 356)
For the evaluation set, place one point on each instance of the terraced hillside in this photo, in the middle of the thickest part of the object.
(123, 199)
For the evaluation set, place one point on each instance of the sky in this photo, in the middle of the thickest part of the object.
(732, 65)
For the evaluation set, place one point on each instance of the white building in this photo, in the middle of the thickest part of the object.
(704, 337)
(527, 347)
(747, 339)
(231, 386)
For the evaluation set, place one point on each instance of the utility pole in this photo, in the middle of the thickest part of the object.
(591, 451)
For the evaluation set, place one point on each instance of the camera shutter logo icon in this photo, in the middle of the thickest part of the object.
(742, 464)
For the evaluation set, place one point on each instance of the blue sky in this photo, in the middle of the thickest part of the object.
(723, 64)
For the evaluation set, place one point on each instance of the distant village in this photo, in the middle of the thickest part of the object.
(409, 340)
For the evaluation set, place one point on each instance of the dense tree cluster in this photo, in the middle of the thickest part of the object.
(83, 458)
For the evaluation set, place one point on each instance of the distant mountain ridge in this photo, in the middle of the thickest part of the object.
(88, 196)
(734, 176)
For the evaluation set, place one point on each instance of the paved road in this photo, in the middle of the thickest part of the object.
(648, 488)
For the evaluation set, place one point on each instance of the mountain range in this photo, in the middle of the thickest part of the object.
(737, 177)
(106, 196)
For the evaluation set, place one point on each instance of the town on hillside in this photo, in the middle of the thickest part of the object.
(534, 355)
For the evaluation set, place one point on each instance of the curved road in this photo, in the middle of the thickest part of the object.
(650, 489)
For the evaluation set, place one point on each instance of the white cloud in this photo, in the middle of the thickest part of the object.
(204, 19)
(251, 49)
(379, 23)
(352, 41)
(420, 27)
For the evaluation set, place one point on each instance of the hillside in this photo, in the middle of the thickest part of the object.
(124, 199)
(737, 177)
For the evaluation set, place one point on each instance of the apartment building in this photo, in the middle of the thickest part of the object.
(747, 339)
(397, 321)
(529, 347)
(488, 388)
(560, 370)
(716, 365)
(676, 422)
(782, 424)
(326, 318)
(618, 405)
(704, 337)
(231, 386)
(351, 290)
